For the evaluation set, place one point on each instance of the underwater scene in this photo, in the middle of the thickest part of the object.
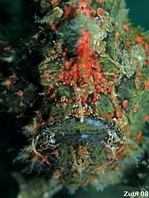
(74, 99)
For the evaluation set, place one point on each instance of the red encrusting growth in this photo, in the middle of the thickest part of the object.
(147, 85)
(100, 1)
(20, 93)
(140, 41)
(139, 136)
(8, 83)
(125, 104)
(68, 11)
(79, 70)
(146, 119)
(85, 184)
(54, 2)
(118, 113)
(107, 115)
(84, 7)
(125, 27)
(56, 152)
(100, 11)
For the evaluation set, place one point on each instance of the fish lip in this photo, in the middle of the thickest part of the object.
(94, 128)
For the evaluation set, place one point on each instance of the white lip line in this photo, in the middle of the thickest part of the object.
(95, 123)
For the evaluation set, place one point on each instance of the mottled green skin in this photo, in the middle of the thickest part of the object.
(41, 50)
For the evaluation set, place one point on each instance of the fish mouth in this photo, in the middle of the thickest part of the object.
(73, 130)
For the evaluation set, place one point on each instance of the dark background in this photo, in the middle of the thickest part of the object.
(10, 23)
